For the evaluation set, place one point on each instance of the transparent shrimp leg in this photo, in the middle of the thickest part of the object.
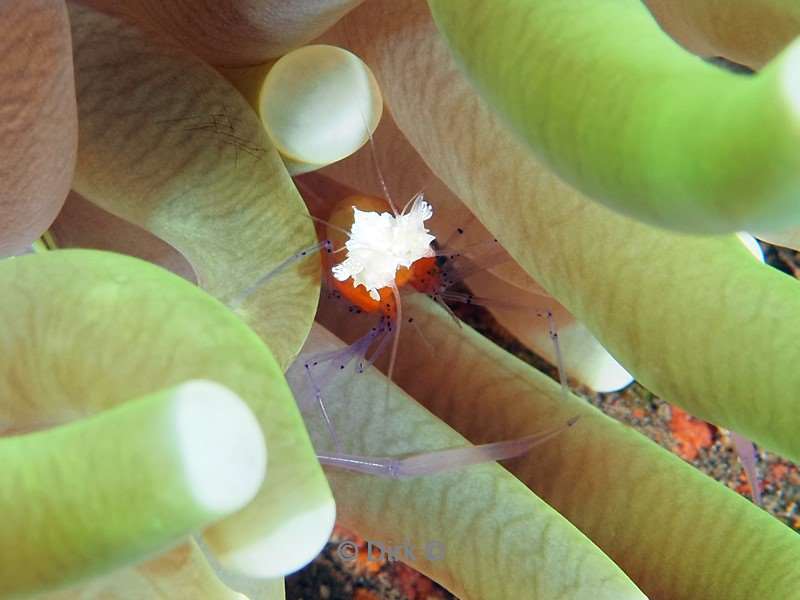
(421, 335)
(465, 298)
(240, 298)
(365, 363)
(746, 452)
(552, 330)
(492, 255)
(431, 463)
(453, 273)
(341, 357)
(334, 362)
(440, 299)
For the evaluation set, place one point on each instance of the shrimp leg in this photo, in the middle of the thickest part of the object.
(431, 463)
(264, 279)
(552, 330)
(746, 452)
(334, 362)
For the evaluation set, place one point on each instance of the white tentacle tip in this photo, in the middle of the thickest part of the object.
(221, 445)
(287, 547)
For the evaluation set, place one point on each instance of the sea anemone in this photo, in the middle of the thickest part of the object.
(161, 429)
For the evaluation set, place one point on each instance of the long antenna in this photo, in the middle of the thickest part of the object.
(381, 180)
(328, 224)
(307, 190)
(420, 194)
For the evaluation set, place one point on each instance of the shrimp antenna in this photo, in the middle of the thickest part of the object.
(420, 194)
(238, 300)
(328, 224)
(374, 155)
(319, 201)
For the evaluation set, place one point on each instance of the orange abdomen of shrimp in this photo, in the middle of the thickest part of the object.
(418, 275)
(426, 276)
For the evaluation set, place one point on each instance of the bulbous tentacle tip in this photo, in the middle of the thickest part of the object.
(319, 104)
(287, 547)
(752, 245)
(173, 462)
(221, 445)
(786, 67)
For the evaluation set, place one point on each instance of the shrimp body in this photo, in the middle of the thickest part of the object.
(397, 254)
(426, 275)
(419, 274)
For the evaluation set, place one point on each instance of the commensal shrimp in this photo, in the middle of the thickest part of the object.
(389, 251)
